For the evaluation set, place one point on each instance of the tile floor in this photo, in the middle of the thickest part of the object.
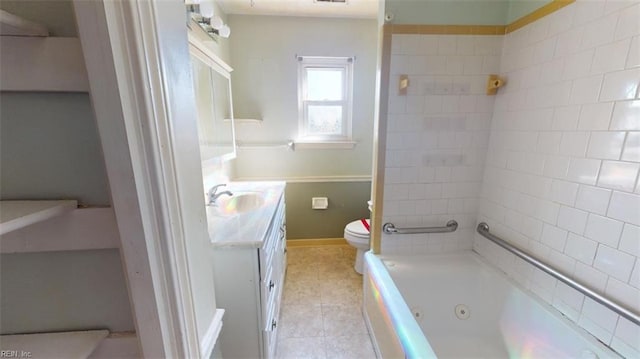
(321, 315)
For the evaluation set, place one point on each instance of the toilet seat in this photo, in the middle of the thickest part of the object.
(357, 229)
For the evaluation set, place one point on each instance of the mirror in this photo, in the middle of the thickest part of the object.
(212, 86)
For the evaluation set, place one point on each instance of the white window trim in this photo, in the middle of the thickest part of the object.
(326, 141)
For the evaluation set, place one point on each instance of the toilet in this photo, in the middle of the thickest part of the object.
(357, 235)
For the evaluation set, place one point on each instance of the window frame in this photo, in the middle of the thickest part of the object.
(325, 62)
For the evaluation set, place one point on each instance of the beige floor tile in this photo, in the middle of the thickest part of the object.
(302, 292)
(342, 320)
(303, 272)
(320, 315)
(349, 347)
(330, 271)
(341, 291)
(301, 321)
(303, 255)
(301, 348)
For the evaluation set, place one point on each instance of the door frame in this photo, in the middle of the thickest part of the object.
(131, 96)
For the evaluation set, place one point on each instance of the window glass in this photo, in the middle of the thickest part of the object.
(324, 84)
(325, 120)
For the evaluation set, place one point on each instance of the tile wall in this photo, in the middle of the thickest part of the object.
(437, 137)
(561, 175)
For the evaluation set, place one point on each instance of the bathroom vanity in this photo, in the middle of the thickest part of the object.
(248, 233)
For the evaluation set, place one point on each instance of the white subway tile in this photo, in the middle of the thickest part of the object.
(625, 207)
(610, 57)
(586, 90)
(630, 241)
(590, 276)
(583, 170)
(549, 142)
(572, 219)
(547, 211)
(628, 333)
(606, 145)
(554, 237)
(617, 5)
(561, 20)
(635, 275)
(578, 65)
(556, 167)
(569, 296)
(633, 59)
(600, 31)
(595, 116)
(569, 42)
(580, 248)
(593, 199)
(628, 24)
(603, 230)
(447, 45)
(626, 115)
(562, 262)
(414, 104)
(586, 11)
(624, 349)
(597, 321)
(620, 85)
(545, 50)
(551, 72)
(564, 192)
(623, 293)
(574, 143)
(566, 118)
(614, 262)
(631, 150)
(600, 315)
(454, 65)
(618, 175)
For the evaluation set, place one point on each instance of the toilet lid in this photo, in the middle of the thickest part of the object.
(357, 228)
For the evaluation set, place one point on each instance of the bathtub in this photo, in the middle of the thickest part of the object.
(459, 306)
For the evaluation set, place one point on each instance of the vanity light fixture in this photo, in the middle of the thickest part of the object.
(203, 13)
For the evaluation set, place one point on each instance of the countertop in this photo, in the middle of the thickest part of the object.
(246, 229)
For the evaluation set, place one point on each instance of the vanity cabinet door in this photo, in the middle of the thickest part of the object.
(273, 283)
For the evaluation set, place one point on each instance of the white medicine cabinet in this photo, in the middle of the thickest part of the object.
(212, 86)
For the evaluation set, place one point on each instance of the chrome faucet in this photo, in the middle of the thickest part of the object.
(213, 194)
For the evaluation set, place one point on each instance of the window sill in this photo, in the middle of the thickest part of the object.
(325, 145)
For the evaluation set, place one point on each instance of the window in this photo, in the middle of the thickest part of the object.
(324, 93)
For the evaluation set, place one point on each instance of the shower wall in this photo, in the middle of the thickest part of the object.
(437, 137)
(561, 175)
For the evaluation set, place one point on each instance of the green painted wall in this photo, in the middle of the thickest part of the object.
(460, 12)
(347, 202)
(62, 291)
(520, 8)
(50, 149)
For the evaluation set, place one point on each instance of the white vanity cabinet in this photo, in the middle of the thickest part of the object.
(249, 280)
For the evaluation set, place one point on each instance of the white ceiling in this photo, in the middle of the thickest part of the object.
(352, 9)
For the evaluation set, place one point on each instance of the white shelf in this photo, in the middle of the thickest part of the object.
(54, 345)
(19, 214)
(13, 25)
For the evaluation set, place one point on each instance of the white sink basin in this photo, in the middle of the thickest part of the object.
(239, 203)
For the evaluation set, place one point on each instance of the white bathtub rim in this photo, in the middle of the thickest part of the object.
(566, 321)
(424, 349)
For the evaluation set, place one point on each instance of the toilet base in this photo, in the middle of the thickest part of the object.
(359, 266)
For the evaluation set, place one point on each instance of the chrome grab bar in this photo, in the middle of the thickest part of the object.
(483, 229)
(390, 228)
